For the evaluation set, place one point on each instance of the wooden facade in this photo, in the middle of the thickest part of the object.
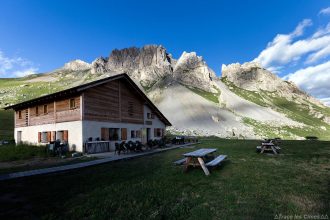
(113, 102)
(49, 113)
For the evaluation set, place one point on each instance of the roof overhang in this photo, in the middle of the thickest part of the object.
(79, 89)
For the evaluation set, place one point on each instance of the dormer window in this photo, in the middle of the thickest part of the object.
(150, 115)
(72, 103)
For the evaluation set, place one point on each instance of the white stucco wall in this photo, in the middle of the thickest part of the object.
(80, 131)
(93, 128)
(75, 139)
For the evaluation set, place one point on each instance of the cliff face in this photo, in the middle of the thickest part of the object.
(253, 77)
(152, 63)
(192, 70)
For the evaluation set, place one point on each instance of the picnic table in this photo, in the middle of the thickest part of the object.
(268, 147)
(200, 155)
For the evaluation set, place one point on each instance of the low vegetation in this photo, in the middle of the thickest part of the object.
(248, 186)
(12, 152)
(213, 97)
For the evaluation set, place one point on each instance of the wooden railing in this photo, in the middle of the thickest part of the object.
(92, 147)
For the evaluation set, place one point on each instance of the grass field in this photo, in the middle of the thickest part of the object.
(248, 186)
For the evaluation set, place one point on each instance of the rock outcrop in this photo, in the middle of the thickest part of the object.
(152, 63)
(191, 69)
(76, 65)
(253, 77)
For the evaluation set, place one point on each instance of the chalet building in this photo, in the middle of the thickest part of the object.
(112, 109)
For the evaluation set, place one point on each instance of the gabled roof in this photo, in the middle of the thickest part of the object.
(79, 89)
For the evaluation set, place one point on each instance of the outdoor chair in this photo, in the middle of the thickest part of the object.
(123, 147)
(139, 146)
(150, 144)
(118, 149)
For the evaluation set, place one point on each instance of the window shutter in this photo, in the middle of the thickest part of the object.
(124, 133)
(155, 132)
(163, 132)
(65, 135)
(39, 137)
(105, 134)
(49, 136)
(53, 136)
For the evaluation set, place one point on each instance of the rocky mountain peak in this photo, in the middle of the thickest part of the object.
(152, 63)
(76, 65)
(191, 69)
(253, 77)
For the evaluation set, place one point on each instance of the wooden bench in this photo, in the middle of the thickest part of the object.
(216, 161)
(180, 162)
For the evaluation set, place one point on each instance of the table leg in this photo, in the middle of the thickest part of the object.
(201, 162)
(262, 149)
(273, 148)
(186, 165)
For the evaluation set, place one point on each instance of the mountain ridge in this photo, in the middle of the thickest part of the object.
(246, 99)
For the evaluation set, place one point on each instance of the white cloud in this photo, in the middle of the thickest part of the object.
(15, 66)
(312, 58)
(25, 72)
(326, 101)
(325, 11)
(314, 80)
(285, 50)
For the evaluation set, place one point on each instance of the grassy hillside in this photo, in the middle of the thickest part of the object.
(315, 126)
(6, 125)
(213, 97)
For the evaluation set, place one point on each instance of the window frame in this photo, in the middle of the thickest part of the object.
(72, 103)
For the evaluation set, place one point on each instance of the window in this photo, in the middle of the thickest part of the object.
(72, 103)
(114, 134)
(19, 114)
(44, 137)
(37, 110)
(158, 132)
(133, 134)
(138, 134)
(62, 136)
(45, 109)
(150, 115)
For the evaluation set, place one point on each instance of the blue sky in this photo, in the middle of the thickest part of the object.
(39, 36)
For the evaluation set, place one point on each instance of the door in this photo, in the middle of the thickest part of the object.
(148, 134)
(144, 135)
(124, 134)
(19, 137)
